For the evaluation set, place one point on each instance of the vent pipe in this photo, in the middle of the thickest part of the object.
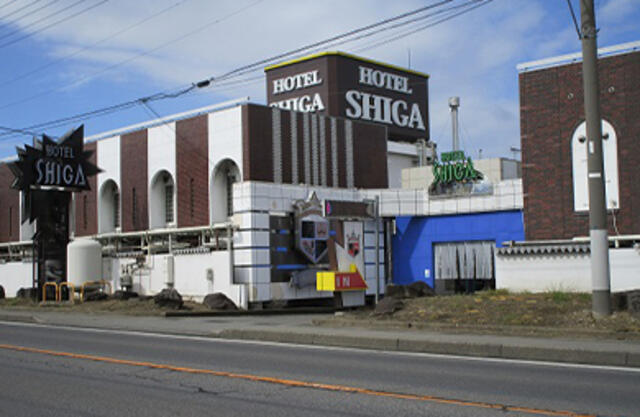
(454, 103)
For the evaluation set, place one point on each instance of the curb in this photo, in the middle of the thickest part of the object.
(20, 318)
(499, 351)
(265, 312)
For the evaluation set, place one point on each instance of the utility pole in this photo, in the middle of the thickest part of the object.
(600, 275)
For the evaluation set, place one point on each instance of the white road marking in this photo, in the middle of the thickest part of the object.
(215, 339)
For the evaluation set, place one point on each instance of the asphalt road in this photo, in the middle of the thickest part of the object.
(53, 371)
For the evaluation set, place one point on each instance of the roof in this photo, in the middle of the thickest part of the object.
(544, 249)
(623, 48)
(167, 119)
(345, 55)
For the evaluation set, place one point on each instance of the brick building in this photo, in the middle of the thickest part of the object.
(554, 149)
(178, 173)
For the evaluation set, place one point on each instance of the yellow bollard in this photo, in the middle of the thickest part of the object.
(70, 290)
(44, 291)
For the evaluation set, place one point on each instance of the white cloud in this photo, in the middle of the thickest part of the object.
(473, 56)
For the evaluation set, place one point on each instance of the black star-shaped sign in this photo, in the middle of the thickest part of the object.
(51, 165)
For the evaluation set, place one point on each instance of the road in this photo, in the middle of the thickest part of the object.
(57, 371)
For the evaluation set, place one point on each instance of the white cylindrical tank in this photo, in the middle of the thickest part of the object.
(84, 261)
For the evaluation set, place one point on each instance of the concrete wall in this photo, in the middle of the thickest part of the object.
(398, 164)
(506, 195)
(565, 272)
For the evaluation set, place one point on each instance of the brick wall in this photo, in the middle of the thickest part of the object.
(86, 202)
(551, 107)
(9, 207)
(192, 167)
(133, 166)
(369, 149)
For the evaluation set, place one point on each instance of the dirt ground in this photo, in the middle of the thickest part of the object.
(134, 306)
(551, 314)
(547, 314)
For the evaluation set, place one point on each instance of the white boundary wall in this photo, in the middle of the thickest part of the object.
(190, 276)
(565, 272)
(15, 275)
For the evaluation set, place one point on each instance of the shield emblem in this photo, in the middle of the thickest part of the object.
(353, 244)
(354, 248)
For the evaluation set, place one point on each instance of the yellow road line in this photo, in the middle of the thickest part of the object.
(301, 384)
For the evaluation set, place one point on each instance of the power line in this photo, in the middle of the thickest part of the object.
(310, 48)
(575, 21)
(30, 25)
(332, 39)
(29, 13)
(28, 35)
(251, 67)
(80, 50)
(134, 57)
(427, 26)
(19, 9)
(7, 4)
(22, 131)
(407, 22)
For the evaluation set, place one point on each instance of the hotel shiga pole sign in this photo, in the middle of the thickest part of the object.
(454, 175)
(62, 164)
(47, 173)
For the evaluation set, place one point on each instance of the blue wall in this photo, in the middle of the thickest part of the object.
(415, 236)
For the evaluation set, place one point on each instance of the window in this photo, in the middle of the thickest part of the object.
(231, 179)
(84, 212)
(134, 208)
(580, 170)
(116, 209)
(168, 200)
(191, 198)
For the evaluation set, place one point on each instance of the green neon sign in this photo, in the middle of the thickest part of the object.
(454, 167)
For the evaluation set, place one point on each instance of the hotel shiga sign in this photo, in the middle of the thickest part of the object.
(343, 85)
(53, 166)
(454, 175)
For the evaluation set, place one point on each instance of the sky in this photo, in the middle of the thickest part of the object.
(61, 58)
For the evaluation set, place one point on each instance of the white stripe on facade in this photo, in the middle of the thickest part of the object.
(306, 148)
(323, 151)
(314, 149)
(334, 152)
(348, 131)
(276, 145)
(294, 147)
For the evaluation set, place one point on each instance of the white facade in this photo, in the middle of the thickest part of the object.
(108, 157)
(253, 202)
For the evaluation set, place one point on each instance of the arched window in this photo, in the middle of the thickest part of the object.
(109, 207)
(224, 175)
(162, 201)
(610, 158)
